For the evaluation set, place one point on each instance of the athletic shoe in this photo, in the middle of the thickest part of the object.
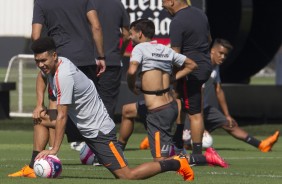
(77, 145)
(185, 170)
(96, 162)
(145, 143)
(214, 159)
(266, 144)
(26, 171)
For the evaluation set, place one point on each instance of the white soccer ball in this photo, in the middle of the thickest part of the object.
(49, 167)
(207, 140)
(86, 155)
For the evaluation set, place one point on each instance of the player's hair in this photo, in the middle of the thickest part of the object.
(223, 42)
(43, 44)
(145, 25)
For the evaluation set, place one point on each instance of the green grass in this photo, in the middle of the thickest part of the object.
(247, 164)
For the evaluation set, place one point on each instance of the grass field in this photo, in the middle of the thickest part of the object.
(247, 164)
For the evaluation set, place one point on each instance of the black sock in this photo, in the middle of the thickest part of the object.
(197, 148)
(252, 141)
(197, 159)
(177, 137)
(169, 165)
(34, 154)
(122, 145)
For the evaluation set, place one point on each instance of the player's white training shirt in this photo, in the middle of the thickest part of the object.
(156, 56)
(73, 88)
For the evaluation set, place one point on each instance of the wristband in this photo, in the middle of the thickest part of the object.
(101, 58)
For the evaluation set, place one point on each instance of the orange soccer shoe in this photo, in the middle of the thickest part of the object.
(266, 144)
(214, 159)
(185, 169)
(26, 171)
(145, 143)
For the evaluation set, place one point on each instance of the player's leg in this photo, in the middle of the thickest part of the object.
(177, 137)
(149, 169)
(240, 134)
(108, 88)
(194, 110)
(110, 154)
(52, 105)
(129, 113)
(40, 140)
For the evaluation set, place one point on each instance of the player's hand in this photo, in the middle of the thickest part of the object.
(101, 66)
(230, 121)
(37, 112)
(45, 153)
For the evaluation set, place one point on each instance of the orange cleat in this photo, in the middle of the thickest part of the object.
(185, 169)
(145, 143)
(26, 171)
(266, 144)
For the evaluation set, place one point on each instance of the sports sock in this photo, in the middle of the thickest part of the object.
(252, 141)
(197, 148)
(34, 154)
(177, 137)
(169, 165)
(122, 145)
(197, 159)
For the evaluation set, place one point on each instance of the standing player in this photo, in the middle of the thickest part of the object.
(190, 35)
(156, 61)
(75, 27)
(77, 98)
(115, 23)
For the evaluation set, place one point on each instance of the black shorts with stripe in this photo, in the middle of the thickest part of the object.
(108, 152)
(159, 126)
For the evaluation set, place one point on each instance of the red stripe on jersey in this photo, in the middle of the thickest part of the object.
(57, 84)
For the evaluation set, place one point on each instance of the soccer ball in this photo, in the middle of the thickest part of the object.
(207, 140)
(86, 155)
(49, 167)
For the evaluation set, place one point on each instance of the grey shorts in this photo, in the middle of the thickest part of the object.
(108, 152)
(213, 118)
(159, 126)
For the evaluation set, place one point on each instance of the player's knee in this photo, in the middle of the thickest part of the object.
(125, 173)
(128, 111)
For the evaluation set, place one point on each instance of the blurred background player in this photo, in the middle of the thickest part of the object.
(213, 117)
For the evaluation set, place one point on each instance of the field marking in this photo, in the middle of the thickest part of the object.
(242, 174)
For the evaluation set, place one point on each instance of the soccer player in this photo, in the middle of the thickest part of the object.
(214, 118)
(189, 34)
(76, 29)
(160, 109)
(77, 98)
(156, 64)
